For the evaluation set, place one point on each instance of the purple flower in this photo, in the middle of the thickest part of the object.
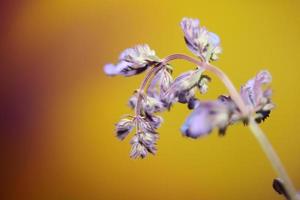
(257, 99)
(142, 144)
(133, 61)
(252, 92)
(207, 116)
(199, 40)
(181, 89)
(161, 81)
(138, 150)
(154, 120)
(124, 127)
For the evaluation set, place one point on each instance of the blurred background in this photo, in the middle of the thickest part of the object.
(58, 109)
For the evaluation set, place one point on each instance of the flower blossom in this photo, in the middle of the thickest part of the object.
(133, 61)
(124, 127)
(200, 41)
(257, 99)
(183, 87)
(206, 117)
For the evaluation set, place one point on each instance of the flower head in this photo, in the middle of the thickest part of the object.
(161, 81)
(144, 141)
(124, 127)
(181, 88)
(257, 99)
(142, 144)
(133, 61)
(207, 116)
(199, 40)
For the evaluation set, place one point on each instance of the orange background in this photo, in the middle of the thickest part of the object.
(58, 110)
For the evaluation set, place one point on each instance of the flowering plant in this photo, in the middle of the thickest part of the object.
(159, 91)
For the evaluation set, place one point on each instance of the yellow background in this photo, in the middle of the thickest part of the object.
(59, 141)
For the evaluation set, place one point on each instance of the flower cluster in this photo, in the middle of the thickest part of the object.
(160, 91)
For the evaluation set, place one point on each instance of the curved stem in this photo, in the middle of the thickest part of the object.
(154, 70)
(273, 158)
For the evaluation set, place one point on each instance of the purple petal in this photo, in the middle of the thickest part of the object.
(252, 92)
(207, 116)
(196, 125)
(110, 69)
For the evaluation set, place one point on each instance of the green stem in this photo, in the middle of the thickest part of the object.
(273, 158)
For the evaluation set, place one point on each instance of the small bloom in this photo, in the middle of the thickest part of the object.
(142, 144)
(181, 89)
(161, 81)
(124, 127)
(252, 92)
(154, 120)
(257, 99)
(199, 40)
(133, 61)
(206, 117)
(137, 149)
(145, 125)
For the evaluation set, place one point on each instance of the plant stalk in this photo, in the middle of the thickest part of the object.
(273, 158)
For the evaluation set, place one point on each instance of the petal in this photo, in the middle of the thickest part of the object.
(252, 92)
(196, 125)
(109, 69)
